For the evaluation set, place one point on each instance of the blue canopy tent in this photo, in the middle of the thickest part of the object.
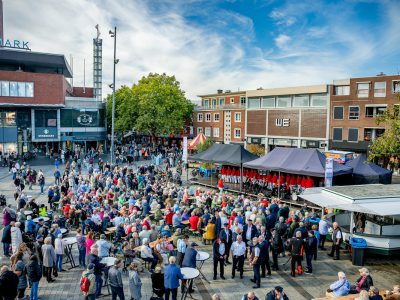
(365, 172)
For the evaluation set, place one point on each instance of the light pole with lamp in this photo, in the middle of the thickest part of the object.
(113, 34)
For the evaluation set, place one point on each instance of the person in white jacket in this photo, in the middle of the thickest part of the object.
(16, 237)
(59, 246)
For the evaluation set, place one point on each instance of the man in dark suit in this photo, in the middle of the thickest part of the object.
(226, 235)
(219, 255)
(189, 260)
(249, 232)
(218, 223)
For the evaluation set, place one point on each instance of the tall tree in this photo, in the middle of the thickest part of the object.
(125, 109)
(388, 144)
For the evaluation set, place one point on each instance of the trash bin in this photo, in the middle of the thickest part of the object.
(358, 254)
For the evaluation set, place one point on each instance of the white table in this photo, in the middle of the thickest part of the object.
(28, 212)
(201, 257)
(108, 261)
(45, 219)
(64, 230)
(70, 241)
(189, 274)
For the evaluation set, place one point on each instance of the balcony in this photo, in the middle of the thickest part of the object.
(222, 107)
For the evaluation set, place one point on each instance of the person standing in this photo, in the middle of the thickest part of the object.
(311, 250)
(6, 240)
(172, 274)
(89, 291)
(254, 257)
(219, 254)
(323, 232)
(16, 236)
(238, 250)
(135, 284)
(226, 235)
(264, 256)
(115, 280)
(8, 283)
(49, 258)
(189, 260)
(98, 267)
(249, 232)
(181, 248)
(81, 242)
(41, 182)
(296, 246)
(337, 238)
(34, 271)
(59, 246)
(276, 294)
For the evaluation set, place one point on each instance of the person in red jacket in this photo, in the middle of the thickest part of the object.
(168, 217)
(221, 185)
(193, 220)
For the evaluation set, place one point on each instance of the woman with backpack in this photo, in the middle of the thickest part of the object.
(88, 283)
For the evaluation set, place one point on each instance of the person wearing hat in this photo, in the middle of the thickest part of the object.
(249, 232)
(225, 235)
(189, 260)
(89, 273)
(219, 254)
(276, 294)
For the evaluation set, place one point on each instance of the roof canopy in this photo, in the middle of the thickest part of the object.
(309, 162)
(376, 199)
(365, 172)
(226, 154)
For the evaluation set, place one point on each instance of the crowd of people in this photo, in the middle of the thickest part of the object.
(142, 218)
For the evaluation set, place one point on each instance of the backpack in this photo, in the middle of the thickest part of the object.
(85, 284)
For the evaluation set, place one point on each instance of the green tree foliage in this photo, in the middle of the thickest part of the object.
(387, 145)
(156, 105)
(204, 146)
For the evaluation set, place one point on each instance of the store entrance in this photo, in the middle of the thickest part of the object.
(48, 149)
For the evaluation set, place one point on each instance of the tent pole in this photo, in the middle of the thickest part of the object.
(351, 224)
(241, 177)
(279, 185)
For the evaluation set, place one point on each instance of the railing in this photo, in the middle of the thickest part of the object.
(216, 107)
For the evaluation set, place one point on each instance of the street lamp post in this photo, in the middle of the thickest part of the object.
(113, 34)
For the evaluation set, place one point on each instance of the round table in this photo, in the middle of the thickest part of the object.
(45, 219)
(189, 274)
(108, 261)
(201, 257)
(28, 212)
(70, 241)
(63, 230)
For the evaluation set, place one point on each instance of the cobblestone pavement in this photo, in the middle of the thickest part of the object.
(385, 272)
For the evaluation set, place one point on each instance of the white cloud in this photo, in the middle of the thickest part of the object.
(282, 18)
(282, 41)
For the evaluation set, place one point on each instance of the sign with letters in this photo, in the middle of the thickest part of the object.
(15, 44)
(84, 119)
(282, 122)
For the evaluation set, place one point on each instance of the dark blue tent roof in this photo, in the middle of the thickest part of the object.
(309, 162)
(365, 172)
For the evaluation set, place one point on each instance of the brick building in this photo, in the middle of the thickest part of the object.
(288, 117)
(221, 116)
(39, 108)
(355, 103)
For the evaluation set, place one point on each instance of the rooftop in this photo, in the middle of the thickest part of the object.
(366, 191)
(36, 62)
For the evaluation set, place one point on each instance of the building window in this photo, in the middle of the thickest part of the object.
(368, 134)
(199, 117)
(208, 117)
(221, 101)
(301, 101)
(396, 86)
(206, 102)
(5, 88)
(380, 89)
(216, 117)
(16, 89)
(342, 90)
(362, 90)
(254, 103)
(371, 134)
(337, 134)
(216, 132)
(232, 100)
(319, 100)
(214, 103)
(338, 112)
(379, 132)
(238, 117)
(199, 130)
(353, 135)
(354, 112)
(267, 102)
(373, 111)
(29, 89)
(243, 100)
(283, 101)
(238, 133)
(207, 132)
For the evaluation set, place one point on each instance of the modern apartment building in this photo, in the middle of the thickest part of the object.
(355, 103)
(288, 117)
(221, 116)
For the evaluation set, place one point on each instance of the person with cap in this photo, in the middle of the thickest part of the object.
(90, 294)
(225, 235)
(249, 232)
(296, 247)
(189, 260)
(115, 280)
(254, 262)
(276, 294)
(219, 255)
(104, 246)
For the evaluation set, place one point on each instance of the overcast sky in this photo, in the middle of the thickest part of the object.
(216, 44)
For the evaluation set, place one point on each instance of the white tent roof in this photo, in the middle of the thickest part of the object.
(377, 199)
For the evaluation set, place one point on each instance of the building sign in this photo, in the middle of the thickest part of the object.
(282, 122)
(312, 144)
(255, 141)
(46, 133)
(85, 119)
(15, 44)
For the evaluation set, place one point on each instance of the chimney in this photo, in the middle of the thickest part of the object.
(219, 91)
(1, 21)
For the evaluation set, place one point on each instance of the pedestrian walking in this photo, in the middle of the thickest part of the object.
(296, 246)
(115, 281)
(49, 259)
(59, 246)
(311, 250)
(238, 251)
(219, 255)
(88, 283)
(254, 257)
(135, 284)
